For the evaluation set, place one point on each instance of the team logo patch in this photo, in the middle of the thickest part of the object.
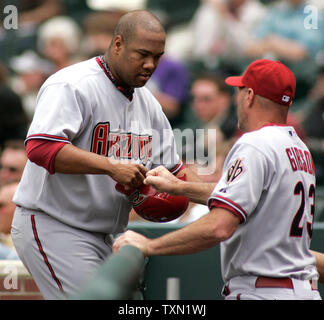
(235, 171)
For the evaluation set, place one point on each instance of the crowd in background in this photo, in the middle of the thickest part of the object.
(207, 40)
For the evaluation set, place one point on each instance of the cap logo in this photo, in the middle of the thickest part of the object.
(285, 98)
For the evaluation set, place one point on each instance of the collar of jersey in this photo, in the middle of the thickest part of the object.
(126, 91)
(276, 125)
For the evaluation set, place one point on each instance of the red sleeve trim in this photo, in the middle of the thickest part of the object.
(179, 167)
(218, 204)
(41, 136)
(222, 202)
(43, 152)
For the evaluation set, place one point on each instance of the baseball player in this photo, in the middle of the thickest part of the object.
(94, 126)
(262, 208)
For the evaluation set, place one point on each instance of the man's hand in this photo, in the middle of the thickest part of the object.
(130, 175)
(163, 180)
(134, 239)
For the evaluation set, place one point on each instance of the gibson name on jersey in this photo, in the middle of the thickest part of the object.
(300, 160)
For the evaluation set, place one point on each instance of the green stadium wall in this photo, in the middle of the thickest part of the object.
(199, 274)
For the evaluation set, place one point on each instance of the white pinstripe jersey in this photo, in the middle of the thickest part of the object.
(269, 182)
(81, 105)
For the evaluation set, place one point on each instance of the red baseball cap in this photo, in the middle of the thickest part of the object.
(269, 79)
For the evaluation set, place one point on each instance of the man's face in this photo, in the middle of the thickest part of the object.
(138, 58)
(206, 98)
(12, 163)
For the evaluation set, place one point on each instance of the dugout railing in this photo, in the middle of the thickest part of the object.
(128, 275)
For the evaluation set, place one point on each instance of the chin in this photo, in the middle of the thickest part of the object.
(139, 84)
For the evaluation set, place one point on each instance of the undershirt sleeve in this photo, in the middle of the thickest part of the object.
(43, 152)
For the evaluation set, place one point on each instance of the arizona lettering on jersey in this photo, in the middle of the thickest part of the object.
(120, 145)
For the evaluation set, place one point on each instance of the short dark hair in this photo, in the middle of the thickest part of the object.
(15, 144)
(129, 22)
(216, 79)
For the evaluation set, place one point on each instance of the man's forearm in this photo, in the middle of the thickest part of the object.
(319, 264)
(73, 160)
(191, 239)
(197, 192)
(206, 232)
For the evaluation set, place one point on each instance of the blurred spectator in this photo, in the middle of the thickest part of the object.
(98, 31)
(77, 10)
(59, 40)
(170, 84)
(211, 103)
(173, 13)
(283, 35)
(215, 123)
(31, 72)
(230, 26)
(112, 5)
(313, 124)
(176, 17)
(12, 161)
(13, 119)
(31, 14)
(7, 209)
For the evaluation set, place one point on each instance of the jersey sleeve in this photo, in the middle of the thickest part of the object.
(59, 115)
(246, 175)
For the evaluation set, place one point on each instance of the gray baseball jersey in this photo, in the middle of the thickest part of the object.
(269, 182)
(81, 105)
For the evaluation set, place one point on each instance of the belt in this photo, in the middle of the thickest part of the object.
(268, 282)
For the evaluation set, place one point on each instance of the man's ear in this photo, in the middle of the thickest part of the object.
(117, 43)
(250, 97)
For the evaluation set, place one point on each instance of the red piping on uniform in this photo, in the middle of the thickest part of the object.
(43, 253)
(178, 167)
(49, 136)
(219, 204)
(232, 203)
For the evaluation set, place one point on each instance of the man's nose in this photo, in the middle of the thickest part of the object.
(149, 64)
